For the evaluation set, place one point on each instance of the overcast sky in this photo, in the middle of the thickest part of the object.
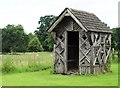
(28, 12)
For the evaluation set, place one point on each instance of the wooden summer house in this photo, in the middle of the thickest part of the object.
(82, 43)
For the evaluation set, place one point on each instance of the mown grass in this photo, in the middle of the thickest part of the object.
(45, 78)
(27, 77)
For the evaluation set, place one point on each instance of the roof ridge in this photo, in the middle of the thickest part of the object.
(80, 11)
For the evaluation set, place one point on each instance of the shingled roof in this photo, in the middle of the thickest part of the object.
(88, 20)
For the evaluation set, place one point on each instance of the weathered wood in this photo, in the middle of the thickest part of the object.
(66, 51)
(102, 31)
(60, 58)
(92, 54)
(109, 50)
(80, 54)
(55, 58)
(68, 24)
(54, 36)
(94, 45)
(76, 20)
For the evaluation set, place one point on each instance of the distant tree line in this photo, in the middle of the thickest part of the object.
(14, 38)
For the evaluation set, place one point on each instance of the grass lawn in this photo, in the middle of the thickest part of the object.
(45, 78)
(28, 61)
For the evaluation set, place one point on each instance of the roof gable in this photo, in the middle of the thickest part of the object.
(66, 12)
(87, 21)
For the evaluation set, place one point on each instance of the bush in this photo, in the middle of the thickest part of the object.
(7, 66)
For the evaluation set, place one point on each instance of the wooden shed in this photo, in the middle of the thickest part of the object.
(82, 43)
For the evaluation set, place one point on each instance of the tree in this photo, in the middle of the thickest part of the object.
(14, 39)
(31, 36)
(114, 39)
(35, 45)
(43, 36)
(118, 42)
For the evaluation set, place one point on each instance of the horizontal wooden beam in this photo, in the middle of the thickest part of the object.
(105, 31)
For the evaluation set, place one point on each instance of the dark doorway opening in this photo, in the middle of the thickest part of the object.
(73, 51)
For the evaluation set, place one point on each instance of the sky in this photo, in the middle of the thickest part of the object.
(28, 12)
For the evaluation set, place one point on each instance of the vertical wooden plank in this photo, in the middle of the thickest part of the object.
(54, 37)
(80, 68)
(66, 51)
(92, 54)
(54, 57)
(105, 36)
(110, 39)
(108, 60)
(72, 24)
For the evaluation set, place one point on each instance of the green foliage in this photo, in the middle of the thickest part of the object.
(35, 45)
(14, 39)
(31, 36)
(8, 66)
(49, 43)
(116, 40)
(42, 34)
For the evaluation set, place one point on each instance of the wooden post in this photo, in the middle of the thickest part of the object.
(66, 52)
(92, 55)
(80, 68)
(54, 58)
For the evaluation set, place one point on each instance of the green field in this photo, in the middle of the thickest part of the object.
(46, 78)
(25, 62)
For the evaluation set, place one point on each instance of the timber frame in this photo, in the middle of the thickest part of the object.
(82, 43)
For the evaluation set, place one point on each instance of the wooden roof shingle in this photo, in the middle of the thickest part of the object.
(89, 20)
